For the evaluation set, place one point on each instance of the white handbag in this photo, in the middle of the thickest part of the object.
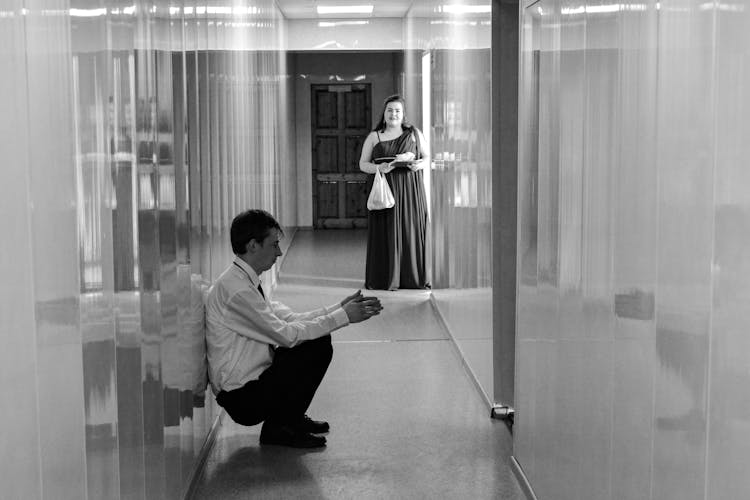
(380, 196)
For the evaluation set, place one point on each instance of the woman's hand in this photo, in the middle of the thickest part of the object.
(386, 167)
(417, 165)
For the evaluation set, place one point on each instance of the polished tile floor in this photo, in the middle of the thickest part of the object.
(406, 420)
(326, 257)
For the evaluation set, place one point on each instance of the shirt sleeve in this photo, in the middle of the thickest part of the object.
(252, 317)
(285, 313)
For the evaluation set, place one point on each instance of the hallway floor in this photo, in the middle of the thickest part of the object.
(406, 420)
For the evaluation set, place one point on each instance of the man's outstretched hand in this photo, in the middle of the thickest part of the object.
(355, 296)
(359, 308)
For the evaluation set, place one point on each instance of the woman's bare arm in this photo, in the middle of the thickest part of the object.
(424, 148)
(365, 159)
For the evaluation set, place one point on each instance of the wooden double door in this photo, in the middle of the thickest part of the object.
(341, 120)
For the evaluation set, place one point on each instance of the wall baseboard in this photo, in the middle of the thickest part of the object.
(199, 469)
(523, 481)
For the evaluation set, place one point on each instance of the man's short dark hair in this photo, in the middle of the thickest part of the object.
(252, 224)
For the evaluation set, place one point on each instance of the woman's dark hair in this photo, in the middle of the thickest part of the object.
(253, 224)
(380, 127)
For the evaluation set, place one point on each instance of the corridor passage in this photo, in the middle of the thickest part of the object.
(406, 419)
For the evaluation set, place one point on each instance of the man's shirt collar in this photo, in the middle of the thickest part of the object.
(249, 271)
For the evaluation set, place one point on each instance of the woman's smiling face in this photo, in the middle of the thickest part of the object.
(394, 114)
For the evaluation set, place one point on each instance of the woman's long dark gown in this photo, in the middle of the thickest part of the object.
(398, 244)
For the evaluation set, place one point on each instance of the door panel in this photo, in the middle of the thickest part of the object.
(356, 109)
(327, 109)
(328, 201)
(340, 122)
(326, 153)
(355, 192)
(353, 149)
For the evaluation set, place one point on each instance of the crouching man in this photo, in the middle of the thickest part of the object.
(266, 361)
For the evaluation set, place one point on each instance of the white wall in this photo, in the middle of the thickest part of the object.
(634, 210)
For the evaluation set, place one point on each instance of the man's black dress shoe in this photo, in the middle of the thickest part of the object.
(286, 435)
(313, 426)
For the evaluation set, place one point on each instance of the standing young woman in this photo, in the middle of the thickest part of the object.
(398, 239)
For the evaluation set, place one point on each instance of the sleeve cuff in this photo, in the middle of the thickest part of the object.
(340, 317)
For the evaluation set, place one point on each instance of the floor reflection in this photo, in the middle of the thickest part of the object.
(267, 472)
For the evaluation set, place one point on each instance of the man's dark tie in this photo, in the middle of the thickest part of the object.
(271, 348)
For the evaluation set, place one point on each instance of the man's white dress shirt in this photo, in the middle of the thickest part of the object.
(243, 328)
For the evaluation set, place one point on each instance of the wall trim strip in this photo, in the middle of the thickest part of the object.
(200, 464)
(523, 481)
(460, 353)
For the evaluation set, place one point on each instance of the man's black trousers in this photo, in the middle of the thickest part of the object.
(283, 392)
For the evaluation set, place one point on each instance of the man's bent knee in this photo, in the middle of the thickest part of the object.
(243, 408)
(244, 418)
(324, 349)
(320, 347)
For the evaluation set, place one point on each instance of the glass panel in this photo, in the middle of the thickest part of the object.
(93, 113)
(627, 361)
(19, 409)
(728, 372)
(129, 151)
(460, 178)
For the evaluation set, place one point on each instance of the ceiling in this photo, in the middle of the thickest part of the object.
(305, 9)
